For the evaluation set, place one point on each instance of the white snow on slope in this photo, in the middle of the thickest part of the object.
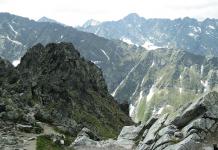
(108, 58)
(126, 40)
(16, 62)
(150, 46)
(123, 81)
(133, 94)
(192, 34)
(15, 32)
(160, 110)
(180, 81)
(211, 27)
(96, 62)
(207, 33)
(152, 90)
(205, 84)
(131, 110)
(141, 92)
(180, 90)
(153, 64)
(195, 29)
(151, 93)
(202, 70)
(13, 41)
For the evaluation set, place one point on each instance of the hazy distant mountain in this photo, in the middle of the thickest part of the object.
(45, 19)
(91, 22)
(187, 33)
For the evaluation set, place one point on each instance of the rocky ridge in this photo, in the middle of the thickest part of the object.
(193, 126)
(54, 85)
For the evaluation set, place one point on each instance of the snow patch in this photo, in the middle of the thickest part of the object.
(15, 63)
(123, 81)
(160, 110)
(13, 41)
(202, 70)
(15, 32)
(129, 25)
(211, 27)
(108, 58)
(96, 62)
(192, 34)
(180, 90)
(133, 94)
(62, 36)
(205, 84)
(141, 92)
(140, 96)
(126, 40)
(207, 33)
(195, 29)
(131, 110)
(150, 46)
(151, 93)
(153, 64)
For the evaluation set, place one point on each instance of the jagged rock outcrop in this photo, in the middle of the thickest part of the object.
(53, 84)
(193, 126)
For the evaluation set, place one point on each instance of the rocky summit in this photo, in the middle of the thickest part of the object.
(193, 127)
(54, 90)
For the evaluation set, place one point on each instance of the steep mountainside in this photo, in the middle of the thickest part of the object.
(187, 33)
(18, 33)
(162, 80)
(193, 127)
(53, 84)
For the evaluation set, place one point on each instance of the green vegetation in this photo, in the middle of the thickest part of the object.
(44, 143)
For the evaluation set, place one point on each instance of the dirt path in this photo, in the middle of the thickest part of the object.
(31, 142)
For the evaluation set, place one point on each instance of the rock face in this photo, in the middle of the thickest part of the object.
(193, 126)
(53, 84)
(164, 79)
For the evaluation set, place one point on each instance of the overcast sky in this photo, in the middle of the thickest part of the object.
(75, 12)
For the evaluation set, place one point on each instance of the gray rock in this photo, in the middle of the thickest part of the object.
(83, 141)
(171, 129)
(88, 133)
(194, 110)
(130, 132)
(150, 137)
(189, 143)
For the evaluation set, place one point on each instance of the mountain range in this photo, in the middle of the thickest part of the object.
(199, 37)
(62, 88)
(151, 82)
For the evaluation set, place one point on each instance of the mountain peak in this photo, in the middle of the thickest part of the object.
(90, 22)
(132, 16)
(46, 19)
